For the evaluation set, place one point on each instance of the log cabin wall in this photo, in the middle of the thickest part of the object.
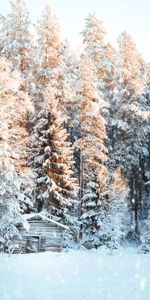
(42, 236)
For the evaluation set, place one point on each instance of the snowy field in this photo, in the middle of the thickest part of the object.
(76, 275)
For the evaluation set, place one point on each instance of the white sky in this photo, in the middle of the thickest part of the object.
(117, 15)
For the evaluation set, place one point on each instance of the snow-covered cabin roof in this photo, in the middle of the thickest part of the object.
(43, 217)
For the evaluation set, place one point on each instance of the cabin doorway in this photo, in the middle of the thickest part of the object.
(35, 244)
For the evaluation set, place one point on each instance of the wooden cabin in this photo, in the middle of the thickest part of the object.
(42, 234)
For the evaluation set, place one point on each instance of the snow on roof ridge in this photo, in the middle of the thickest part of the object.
(29, 216)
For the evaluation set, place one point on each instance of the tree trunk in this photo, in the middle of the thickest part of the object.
(134, 197)
(81, 188)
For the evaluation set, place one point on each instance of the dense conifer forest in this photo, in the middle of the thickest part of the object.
(74, 132)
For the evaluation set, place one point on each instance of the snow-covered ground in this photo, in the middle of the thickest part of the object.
(76, 275)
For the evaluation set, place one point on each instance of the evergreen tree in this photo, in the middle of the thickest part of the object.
(144, 225)
(91, 129)
(68, 68)
(11, 195)
(52, 161)
(114, 217)
(15, 106)
(102, 54)
(103, 57)
(91, 123)
(15, 38)
(48, 52)
(106, 217)
(94, 40)
(128, 119)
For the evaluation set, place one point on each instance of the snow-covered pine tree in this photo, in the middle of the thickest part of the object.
(92, 207)
(16, 42)
(10, 214)
(102, 54)
(92, 133)
(10, 193)
(68, 69)
(55, 65)
(114, 216)
(144, 245)
(103, 57)
(48, 51)
(15, 106)
(48, 39)
(52, 162)
(94, 40)
(106, 217)
(128, 119)
(144, 227)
